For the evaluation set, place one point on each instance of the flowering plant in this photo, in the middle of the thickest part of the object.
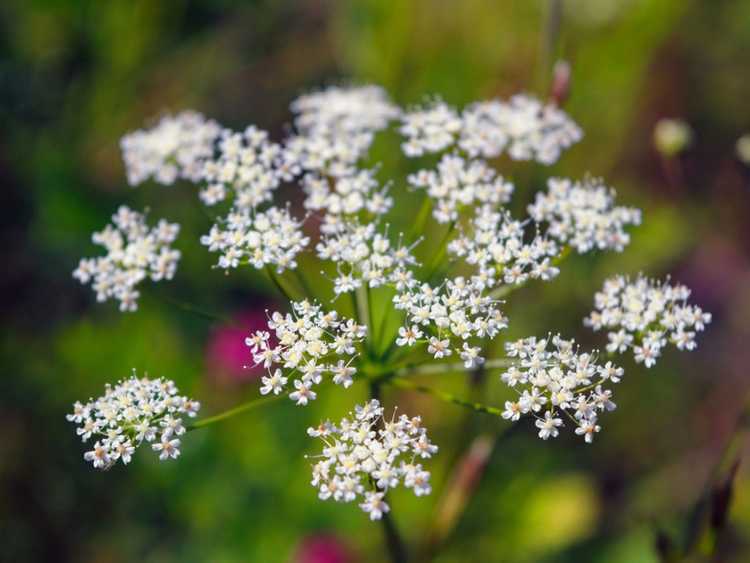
(436, 315)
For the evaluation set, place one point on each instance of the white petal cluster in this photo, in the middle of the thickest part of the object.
(264, 238)
(175, 148)
(366, 455)
(496, 245)
(336, 127)
(134, 252)
(134, 411)
(307, 343)
(458, 183)
(646, 315)
(429, 129)
(346, 195)
(524, 127)
(363, 256)
(447, 317)
(583, 215)
(556, 383)
(246, 165)
(344, 110)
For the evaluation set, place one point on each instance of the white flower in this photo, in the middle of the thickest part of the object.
(268, 238)
(129, 413)
(523, 126)
(459, 183)
(365, 455)
(135, 252)
(583, 215)
(429, 129)
(645, 315)
(454, 312)
(548, 426)
(247, 165)
(363, 256)
(496, 245)
(344, 110)
(306, 339)
(175, 148)
(551, 374)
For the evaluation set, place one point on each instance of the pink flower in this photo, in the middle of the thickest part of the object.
(228, 359)
(323, 548)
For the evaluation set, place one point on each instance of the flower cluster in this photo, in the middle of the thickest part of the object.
(461, 183)
(305, 341)
(266, 238)
(363, 256)
(175, 148)
(134, 252)
(446, 318)
(366, 455)
(645, 315)
(245, 164)
(134, 411)
(526, 128)
(336, 128)
(497, 248)
(553, 380)
(583, 215)
(345, 195)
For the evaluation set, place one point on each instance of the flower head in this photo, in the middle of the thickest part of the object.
(646, 315)
(555, 381)
(366, 455)
(131, 412)
(134, 252)
(309, 343)
(175, 147)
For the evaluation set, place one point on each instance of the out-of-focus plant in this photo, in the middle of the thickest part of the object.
(376, 313)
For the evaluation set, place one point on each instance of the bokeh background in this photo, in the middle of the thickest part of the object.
(75, 76)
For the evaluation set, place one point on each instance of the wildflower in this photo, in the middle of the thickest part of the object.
(266, 238)
(496, 245)
(451, 313)
(246, 165)
(366, 455)
(429, 129)
(131, 412)
(134, 252)
(583, 215)
(175, 148)
(552, 376)
(306, 340)
(458, 183)
(646, 315)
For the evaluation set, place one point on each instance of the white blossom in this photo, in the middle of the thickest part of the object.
(646, 315)
(345, 195)
(308, 343)
(455, 311)
(363, 256)
(496, 245)
(366, 455)
(175, 147)
(131, 412)
(429, 129)
(555, 381)
(459, 183)
(583, 215)
(247, 165)
(134, 252)
(259, 238)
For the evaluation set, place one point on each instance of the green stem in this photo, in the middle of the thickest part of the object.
(444, 396)
(421, 219)
(236, 410)
(277, 282)
(440, 252)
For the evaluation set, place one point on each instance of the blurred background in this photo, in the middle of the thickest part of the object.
(75, 76)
